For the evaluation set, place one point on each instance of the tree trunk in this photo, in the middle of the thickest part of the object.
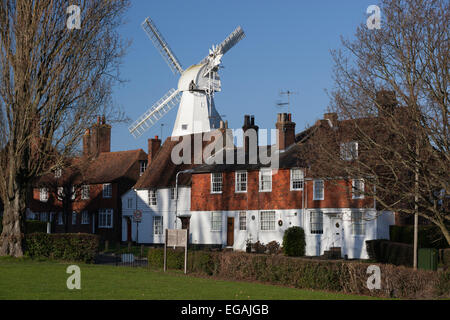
(12, 237)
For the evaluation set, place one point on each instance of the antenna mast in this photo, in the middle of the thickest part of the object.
(288, 93)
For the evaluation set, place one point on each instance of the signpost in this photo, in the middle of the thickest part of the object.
(137, 216)
(176, 238)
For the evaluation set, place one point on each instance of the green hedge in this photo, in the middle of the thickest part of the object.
(198, 261)
(337, 276)
(294, 242)
(64, 246)
(35, 226)
(385, 251)
(428, 236)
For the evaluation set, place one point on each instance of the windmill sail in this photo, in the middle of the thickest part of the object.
(234, 37)
(161, 44)
(156, 112)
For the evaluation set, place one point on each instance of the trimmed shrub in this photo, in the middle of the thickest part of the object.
(198, 261)
(294, 242)
(386, 251)
(63, 246)
(273, 247)
(445, 258)
(428, 236)
(259, 247)
(338, 276)
(35, 226)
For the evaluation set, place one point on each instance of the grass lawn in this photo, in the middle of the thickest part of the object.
(27, 279)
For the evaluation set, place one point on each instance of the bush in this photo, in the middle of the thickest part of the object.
(386, 251)
(259, 247)
(445, 258)
(294, 242)
(273, 247)
(35, 226)
(64, 246)
(338, 276)
(198, 261)
(428, 236)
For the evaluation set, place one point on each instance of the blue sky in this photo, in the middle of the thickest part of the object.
(287, 46)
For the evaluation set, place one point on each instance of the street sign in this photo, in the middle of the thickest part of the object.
(176, 238)
(137, 215)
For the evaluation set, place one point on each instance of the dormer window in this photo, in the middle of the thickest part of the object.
(58, 173)
(349, 151)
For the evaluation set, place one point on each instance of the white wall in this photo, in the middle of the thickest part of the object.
(200, 227)
(165, 207)
(376, 224)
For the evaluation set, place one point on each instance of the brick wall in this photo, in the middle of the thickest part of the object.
(281, 197)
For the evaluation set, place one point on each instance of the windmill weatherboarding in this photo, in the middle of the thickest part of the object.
(196, 88)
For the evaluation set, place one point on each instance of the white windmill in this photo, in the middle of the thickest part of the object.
(196, 88)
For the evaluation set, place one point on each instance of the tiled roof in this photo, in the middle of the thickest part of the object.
(162, 170)
(106, 167)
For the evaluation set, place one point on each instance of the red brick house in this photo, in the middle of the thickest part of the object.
(236, 203)
(85, 195)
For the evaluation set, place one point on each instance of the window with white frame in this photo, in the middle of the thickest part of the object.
(216, 221)
(349, 150)
(297, 179)
(216, 182)
(142, 167)
(241, 181)
(105, 218)
(265, 180)
(358, 189)
(173, 195)
(74, 218)
(152, 199)
(60, 193)
(43, 194)
(157, 225)
(60, 218)
(242, 221)
(85, 192)
(85, 217)
(316, 222)
(52, 217)
(358, 225)
(318, 187)
(267, 220)
(107, 190)
(74, 193)
(43, 216)
(58, 173)
(130, 203)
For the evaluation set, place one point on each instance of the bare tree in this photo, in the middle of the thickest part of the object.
(54, 80)
(393, 83)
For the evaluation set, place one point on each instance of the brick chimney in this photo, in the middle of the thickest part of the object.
(153, 147)
(249, 123)
(97, 139)
(286, 131)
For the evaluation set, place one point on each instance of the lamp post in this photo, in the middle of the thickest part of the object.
(176, 194)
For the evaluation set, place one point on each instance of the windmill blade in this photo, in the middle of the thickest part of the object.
(156, 112)
(158, 40)
(234, 37)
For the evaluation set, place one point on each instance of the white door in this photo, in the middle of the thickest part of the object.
(336, 229)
